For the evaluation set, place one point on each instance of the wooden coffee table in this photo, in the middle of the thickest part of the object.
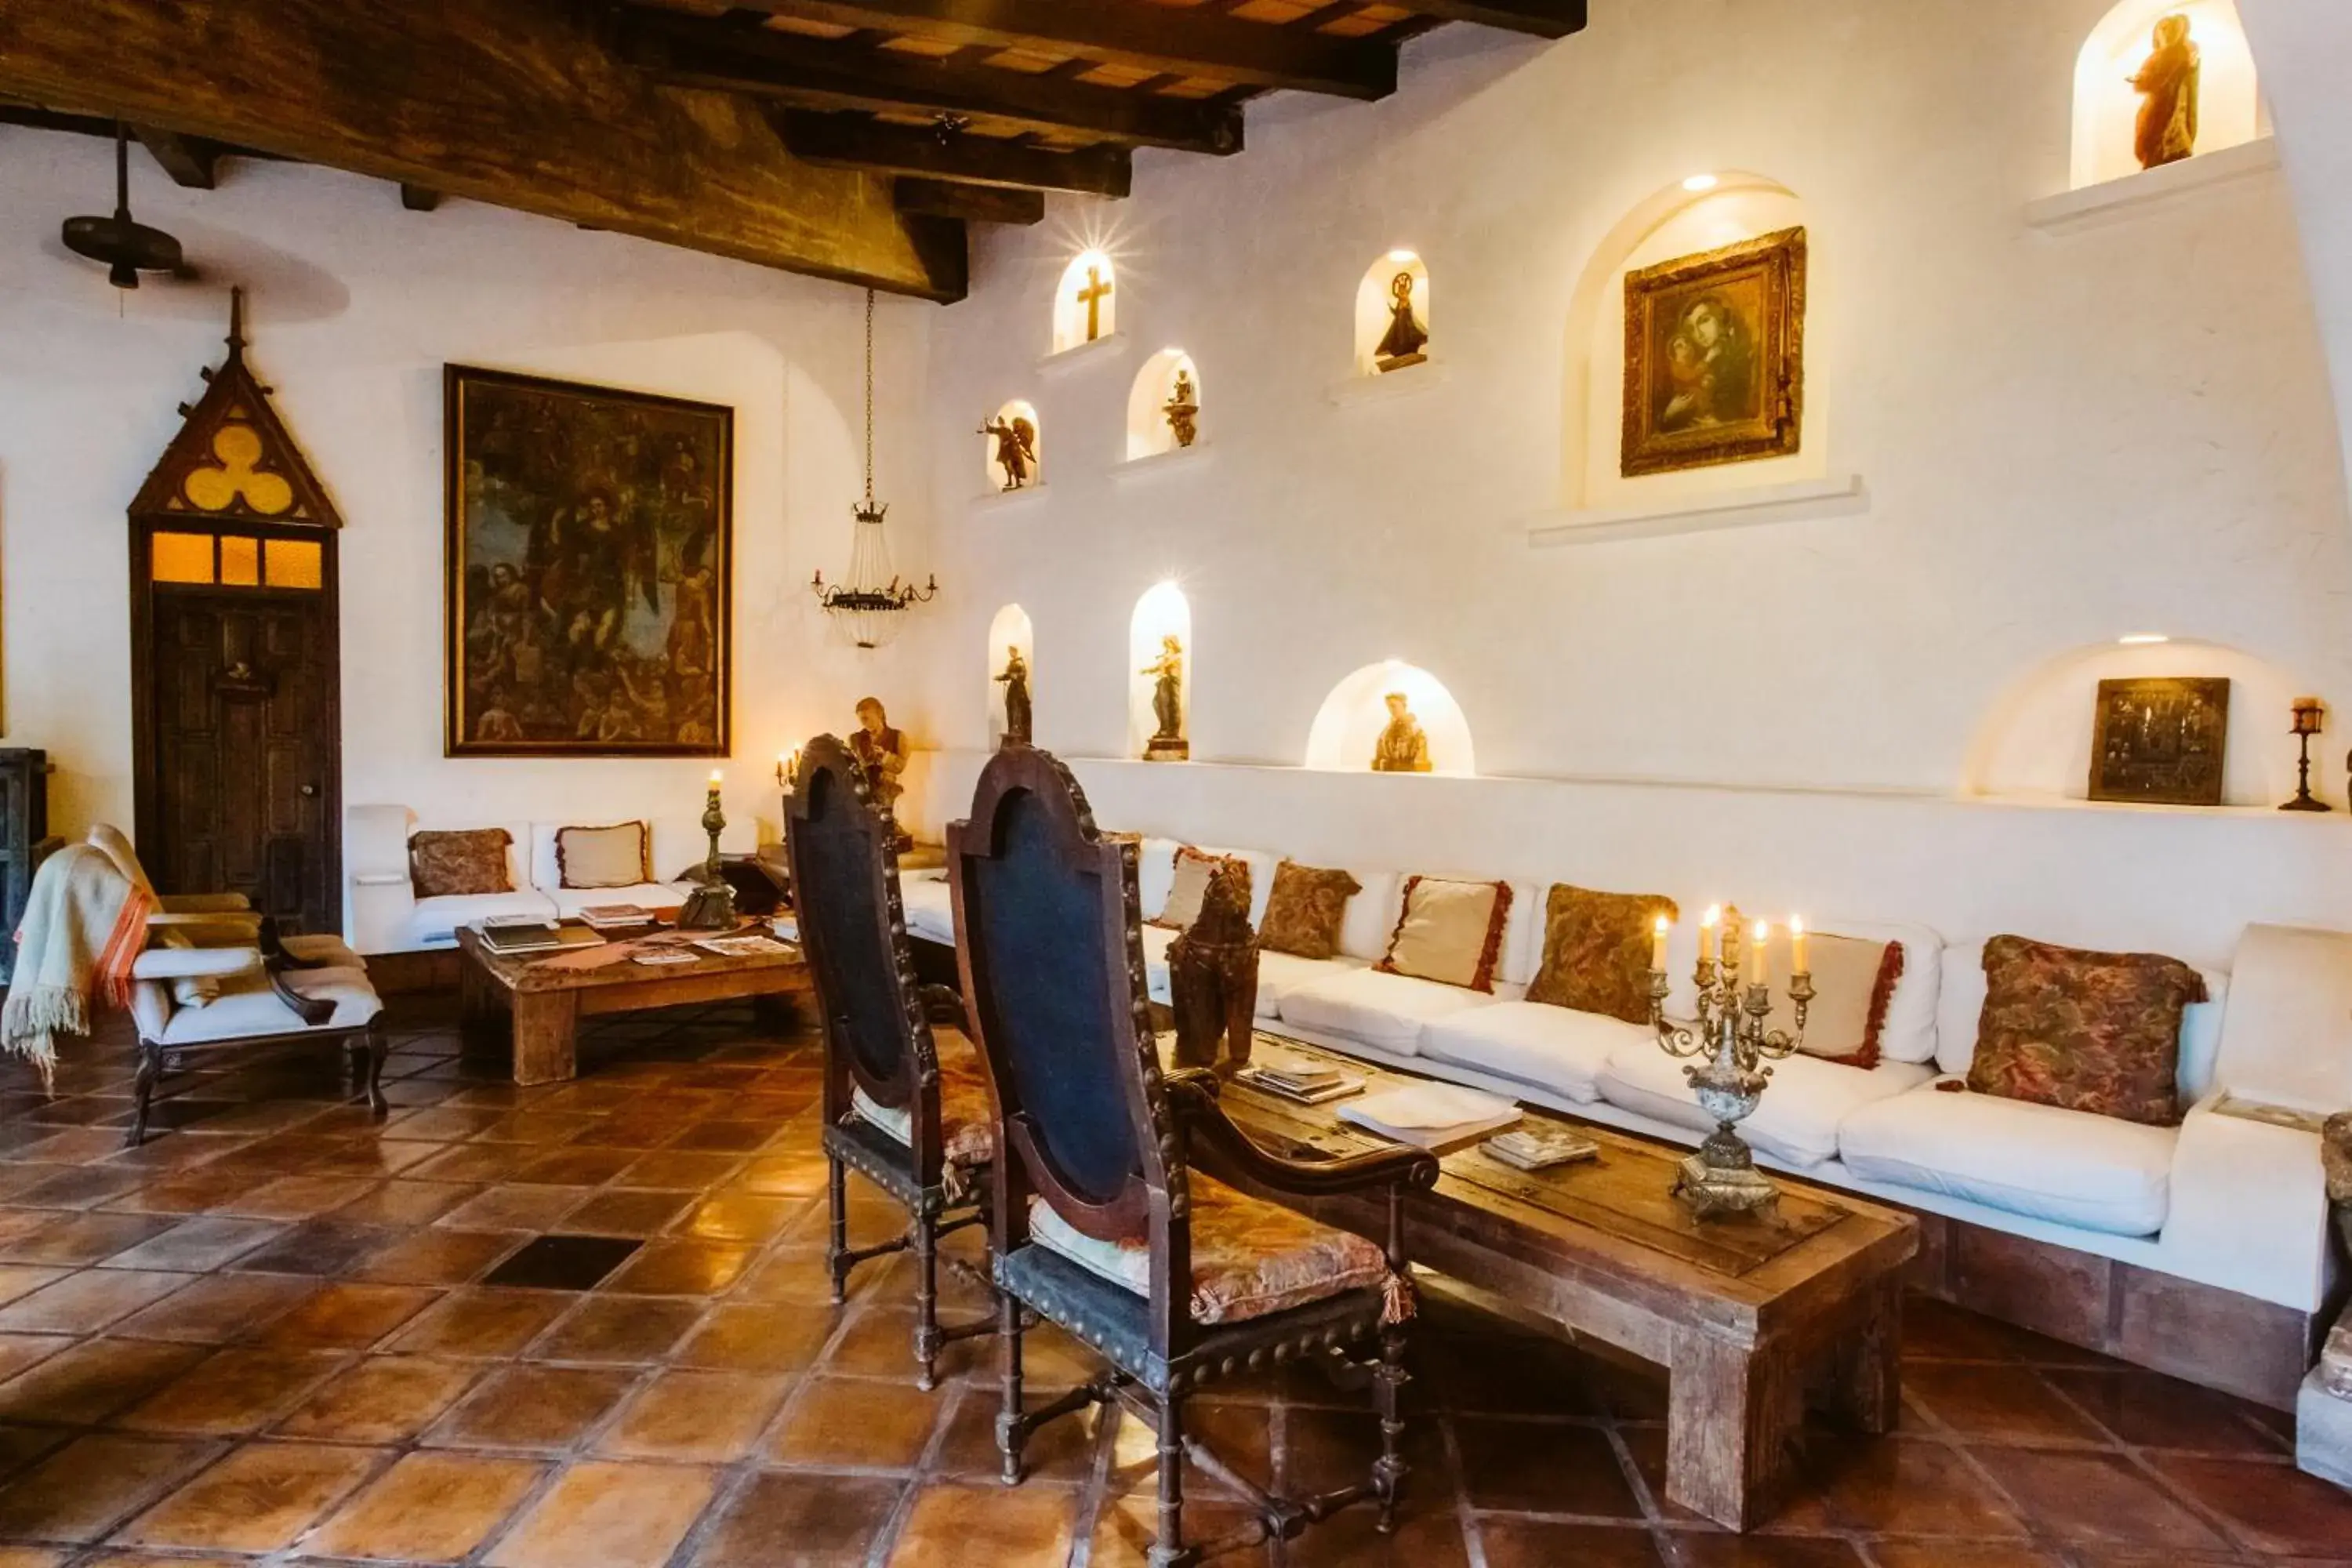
(547, 994)
(1755, 1316)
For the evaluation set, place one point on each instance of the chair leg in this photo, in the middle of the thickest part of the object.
(836, 1247)
(1010, 1432)
(379, 1046)
(1388, 1387)
(150, 1068)
(927, 1303)
(1168, 1546)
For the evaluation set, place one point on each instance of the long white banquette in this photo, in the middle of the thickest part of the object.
(2224, 1199)
(386, 915)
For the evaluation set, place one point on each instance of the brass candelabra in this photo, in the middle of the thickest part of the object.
(1734, 1047)
(711, 905)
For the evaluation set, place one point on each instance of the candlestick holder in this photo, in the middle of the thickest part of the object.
(2308, 712)
(711, 905)
(1730, 1037)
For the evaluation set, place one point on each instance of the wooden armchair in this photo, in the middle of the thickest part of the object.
(917, 1127)
(1099, 1222)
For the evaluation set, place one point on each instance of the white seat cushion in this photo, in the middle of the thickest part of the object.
(434, 922)
(1384, 1011)
(1799, 1116)
(931, 906)
(1552, 1048)
(2035, 1160)
(247, 1007)
(570, 902)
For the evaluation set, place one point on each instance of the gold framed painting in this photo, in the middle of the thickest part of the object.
(1715, 356)
(2160, 740)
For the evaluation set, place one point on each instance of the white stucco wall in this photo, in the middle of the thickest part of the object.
(353, 306)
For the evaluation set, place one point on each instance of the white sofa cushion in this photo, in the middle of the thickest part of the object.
(1961, 1005)
(2066, 1166)
(1797, 1120)
(1383, 1011)
(434, 922)
(1372, 916)
(929, 905)
(570, 902)
(1155, 873)
(1556, 1049)
(1908, 1034)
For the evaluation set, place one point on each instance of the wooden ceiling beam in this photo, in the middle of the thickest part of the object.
(1543, 19)
(854, 142)
(1182, 42)
(512, 102)
(821, 74)
(191, 161)
(974, 204)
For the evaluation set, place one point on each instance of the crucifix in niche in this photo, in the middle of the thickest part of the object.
(1091, 294)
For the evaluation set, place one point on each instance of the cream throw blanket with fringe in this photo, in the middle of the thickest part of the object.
(84, 925)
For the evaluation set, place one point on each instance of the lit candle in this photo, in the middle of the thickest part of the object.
(715, 777)
(1658, 945)
(1706, 924)
(1797, 964)
(1756, 954)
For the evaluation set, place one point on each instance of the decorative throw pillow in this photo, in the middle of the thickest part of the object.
(2084, 1031)
(1449, 931)
(444, 865)
(1854, 980)
(1303, 912)
(611, 857)
(1194, 870)
(1596, 956)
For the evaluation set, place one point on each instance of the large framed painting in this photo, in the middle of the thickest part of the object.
(1715, 356)
(590, 540)
(2160, 740)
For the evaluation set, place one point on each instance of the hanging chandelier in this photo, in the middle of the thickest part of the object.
(871, 606)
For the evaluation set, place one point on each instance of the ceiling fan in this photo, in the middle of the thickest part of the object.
(127, 247)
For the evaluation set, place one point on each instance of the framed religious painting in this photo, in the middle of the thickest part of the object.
(589, 553)
(2160, 740)
(1715, 356)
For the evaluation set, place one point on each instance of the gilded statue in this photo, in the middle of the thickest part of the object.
(1015, 682)
(1183, 410)
(881, 752)
(2167, 82)
(1403, 746)
(1016, 449)
(1167, 744)
(1406, 336)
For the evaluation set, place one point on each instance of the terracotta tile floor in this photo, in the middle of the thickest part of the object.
(268, 1337)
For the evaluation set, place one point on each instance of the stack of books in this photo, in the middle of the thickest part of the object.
(1430, 1115)
(1299, 1081)
(1539, 1148)
(509, 935)
(615, 917)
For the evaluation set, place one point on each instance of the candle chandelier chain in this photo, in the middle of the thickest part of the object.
(871, 605)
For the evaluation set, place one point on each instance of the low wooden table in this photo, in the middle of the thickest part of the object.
(547, 994)
(1754, 1316)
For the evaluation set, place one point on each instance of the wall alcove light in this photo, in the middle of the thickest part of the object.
(1163, 611)
(2035, 741)
(1376, 309)
(1348, 726)
(1009, 628)
(1085, 302)
(1014, 415)
(2107, 105)
(1149, 431)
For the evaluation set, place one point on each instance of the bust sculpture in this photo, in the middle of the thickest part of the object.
(1403, 746)
(1168, 743)
(1212, 977)
(1015, 682)
(2167, 81)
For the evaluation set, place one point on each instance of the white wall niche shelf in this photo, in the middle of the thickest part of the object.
(2113, 201)
(1388, 384)
(1102, 351)
(1795, 500)
(1168, 461)
(1000, 501)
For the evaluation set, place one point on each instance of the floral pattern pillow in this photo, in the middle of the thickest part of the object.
(1303, 912)
(1596, 955)
(2084, 1031)
(444, 865)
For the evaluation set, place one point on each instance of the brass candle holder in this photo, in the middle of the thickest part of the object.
(1733, 1047)
(2309, 714)
(711, 905)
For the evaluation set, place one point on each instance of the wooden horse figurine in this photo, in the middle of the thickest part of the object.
(1212, 977)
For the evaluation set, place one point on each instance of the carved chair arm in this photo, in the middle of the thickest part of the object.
(1195, 1105)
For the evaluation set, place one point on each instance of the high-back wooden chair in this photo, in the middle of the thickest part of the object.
(914, 1127)
(1099, 1222)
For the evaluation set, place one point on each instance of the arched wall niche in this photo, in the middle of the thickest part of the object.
(2106, 107)
(2034, 743)
(1673, 221)
(1376, 306)
(1008, 628)
(1348, 726)
(1088, 271)
(1012, 414)
(1148, 433)
(1161, 612)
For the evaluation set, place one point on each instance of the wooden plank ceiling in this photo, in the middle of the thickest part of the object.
(849, 139)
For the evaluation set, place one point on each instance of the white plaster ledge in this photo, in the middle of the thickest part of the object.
(998, 500)
(1163, 462)
(2113, 200)
(1387, 385)
(1838, 495)
(1101, 351)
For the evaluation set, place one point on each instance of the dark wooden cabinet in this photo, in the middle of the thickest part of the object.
(24, 841)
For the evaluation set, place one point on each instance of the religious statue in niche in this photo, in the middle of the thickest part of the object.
(1406, 339)
(881, 752)
(1183, 409)
(2167, 82)
(1014, 679)
(1212, 978)
(1403, 745)
(1016, 449)
(1714, 364)
(2160, 740)
(1167, 744)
